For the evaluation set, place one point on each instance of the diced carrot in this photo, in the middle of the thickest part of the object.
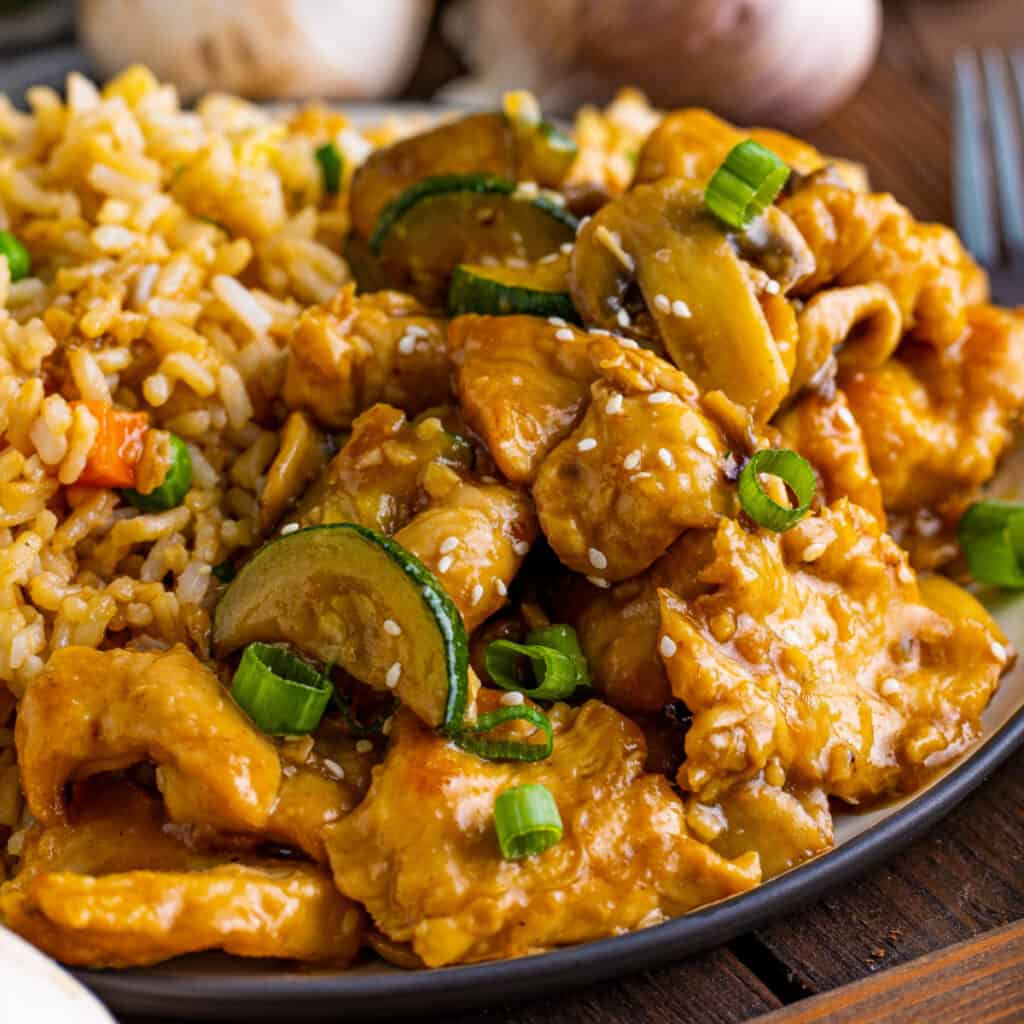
(117, 448)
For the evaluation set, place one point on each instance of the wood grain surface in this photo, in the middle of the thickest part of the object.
(979, 980)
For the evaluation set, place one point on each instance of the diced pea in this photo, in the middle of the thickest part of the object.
(171, 493)
(18, 260)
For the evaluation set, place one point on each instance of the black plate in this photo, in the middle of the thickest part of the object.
(264, 993)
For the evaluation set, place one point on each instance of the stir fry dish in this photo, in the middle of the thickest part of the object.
(450, 541)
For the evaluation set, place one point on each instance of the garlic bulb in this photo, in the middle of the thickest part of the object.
(785, 62)
(261, 48)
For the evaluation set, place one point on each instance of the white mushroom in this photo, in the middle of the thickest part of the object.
(261, 48)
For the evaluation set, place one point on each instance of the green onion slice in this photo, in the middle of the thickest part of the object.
(19, 263)
(746, 184)
(507, 750)
(797, 473)
(331, 162)
(991, 537)
(527, 821)
(551, 655)
(282, 694)
(171, 493)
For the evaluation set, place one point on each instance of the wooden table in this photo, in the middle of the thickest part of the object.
(949, 909)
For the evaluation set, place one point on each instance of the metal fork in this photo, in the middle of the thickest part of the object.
(989, 165)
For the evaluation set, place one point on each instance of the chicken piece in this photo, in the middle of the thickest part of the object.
(98, 711)
(783, 828)
(692, 143)
(825, 432)
(863, 238)
(860, 324)
(936, 422)
(474, 540)
(300, 457)
(421, 852)
(328, 778)
(117, 887)
(377, 479)
(619, 628)
(644, 465)
(356, 351)
(523, 384)
(817, 659)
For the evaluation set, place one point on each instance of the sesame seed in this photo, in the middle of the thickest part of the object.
(417, 331)
(477, 594)
(445, 564)
(845, 417)
(667, 646)
(449, 544)
(597, 558)
(364, 746)
(659, 397)
(889, 687)
(661, 303)
(705, 445)
(814, 551)
(488, 480)
(681, 309)
(564, 334)
(998, 650)
(501, 587)
(511, 699)
(289, 528)
(556, 321)
(598, 582)
(566, 247)
(599, 330)
(666, 458)
(520, 547)
(663, 255)
(586, 444)
(628, 343)
(550, 258)
(393, 675)
(613, 405)
(407, 345)
(333, 768)
(392, 628)
(622, 318)
(773, 287)
(386, 727)
(632, 460)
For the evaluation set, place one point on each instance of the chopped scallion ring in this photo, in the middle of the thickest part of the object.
(527, 821)
(171, 493)
(19, 263)
(331, 162)
(789, 467)
(746, 184)
(991, 535)
(507, 750)
(282, 694)
(555, 660)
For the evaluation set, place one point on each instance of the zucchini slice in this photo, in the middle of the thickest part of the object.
(540, 289)
(488, 143)
(440, 222)
(352, 597)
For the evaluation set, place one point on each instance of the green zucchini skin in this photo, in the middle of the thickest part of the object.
(349, 556)
(434, 185)
(474, 291)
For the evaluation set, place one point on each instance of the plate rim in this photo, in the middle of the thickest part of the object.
(378, 996)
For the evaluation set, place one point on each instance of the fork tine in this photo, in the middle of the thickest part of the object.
(1006, 142)
(974, 213)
